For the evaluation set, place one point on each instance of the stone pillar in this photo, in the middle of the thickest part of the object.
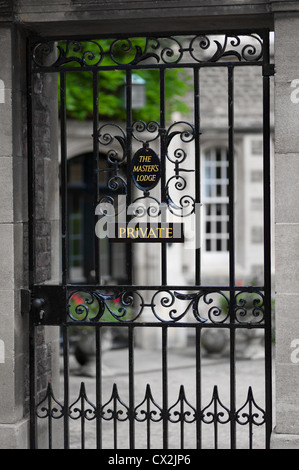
(286, 432)
(13, 216)
(14, 335)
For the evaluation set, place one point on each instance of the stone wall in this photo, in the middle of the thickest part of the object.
(286, 231)
(13, 221)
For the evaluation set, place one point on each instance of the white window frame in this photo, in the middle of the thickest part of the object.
(215, 199)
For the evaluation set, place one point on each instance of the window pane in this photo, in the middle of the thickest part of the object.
(216, 199)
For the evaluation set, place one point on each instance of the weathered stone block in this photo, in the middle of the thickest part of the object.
(286, 258)
(287, 403)
(15, 436)
(286, 188)
(6, 189)
(286, 338)
(7, 256)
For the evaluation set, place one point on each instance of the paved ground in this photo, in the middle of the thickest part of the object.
(214, 371)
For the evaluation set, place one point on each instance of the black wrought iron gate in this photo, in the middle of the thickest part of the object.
(169, 413)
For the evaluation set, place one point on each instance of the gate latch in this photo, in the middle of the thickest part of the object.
(27, 303)
(38, 304)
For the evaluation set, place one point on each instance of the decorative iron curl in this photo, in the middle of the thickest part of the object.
(249, 307)
(42, 53)
(218, 47)
(123, 51)
(140, 209)
(152, 127)
(49, 411)
(181, 414)
(82, 412)
(221, 416)
(166, 301)
(186, 204)
(116, 183)
(91, 306)
(106, 138)
(113, 412)
(68, 52)
(217, 313)
(186, 135)
(172, 53)
(254, 414)
(143, 411)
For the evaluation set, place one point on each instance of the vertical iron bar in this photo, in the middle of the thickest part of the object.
(82, 421)
(50, 422)
(163, 171)
(95, 172)
(198, 387)
(148, 419)
(197, 173)
(231, 251)
(64, 260)
(98, 387)
(31, 249)
(267, 242)
(165, 386)
(215, 424)
(115, 417)
(131, 387)
(182, 423)
(129, 258)
(65, 339)
(197, 251)
(129, 252)
(97, 261)
(250, 426)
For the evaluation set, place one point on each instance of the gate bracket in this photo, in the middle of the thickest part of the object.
(49, 304)
(25, 301)
(268, 70)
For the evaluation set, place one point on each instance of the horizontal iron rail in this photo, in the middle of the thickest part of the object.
(132, 287)
(188, 65)
(153, 34)
(165, 324)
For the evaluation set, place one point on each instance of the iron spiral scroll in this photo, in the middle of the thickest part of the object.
(114, 145)
(203, 306)
(133, 51)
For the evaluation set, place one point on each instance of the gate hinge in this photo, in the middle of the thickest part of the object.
(25, 301)
(268, 70)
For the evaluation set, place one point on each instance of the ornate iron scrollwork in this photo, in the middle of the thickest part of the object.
(116, 156)
(134, 51)
(182, 411)
(205, 305)
(145, 412)
(82, 408)
(148, 411)
(215, 412)
(115, 408)
(250, 412)
(49, 407)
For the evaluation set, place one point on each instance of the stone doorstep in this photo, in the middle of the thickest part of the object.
(15, 436)
(284, 441)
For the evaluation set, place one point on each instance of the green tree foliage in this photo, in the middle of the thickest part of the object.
(79, 91)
